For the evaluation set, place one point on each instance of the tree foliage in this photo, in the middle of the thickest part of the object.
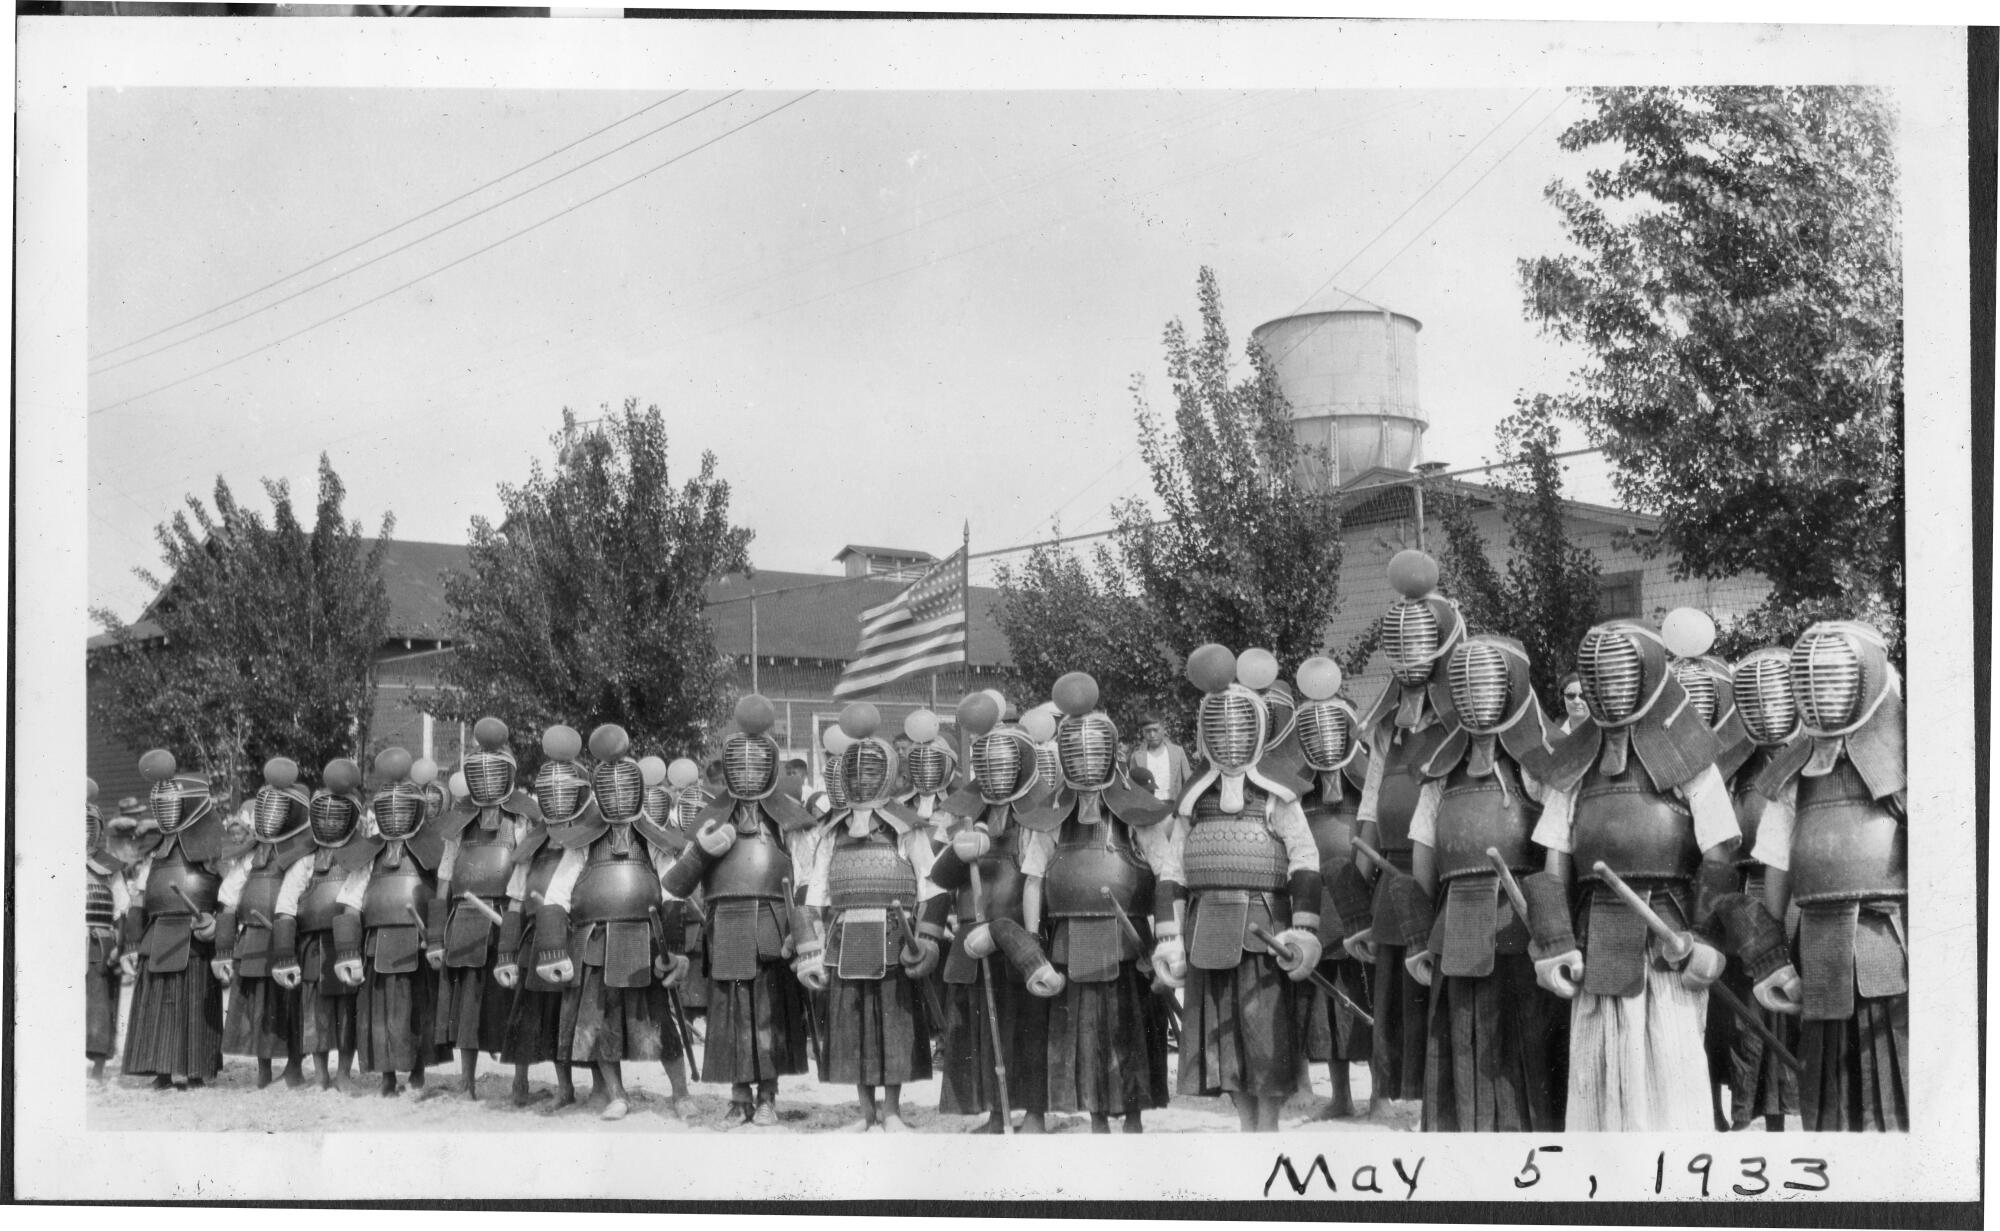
(1737, 287)
(261, 638)
(1545, 595)
(1247, 553)
(585, 604)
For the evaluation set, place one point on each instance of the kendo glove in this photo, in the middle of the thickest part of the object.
(810, 967)
(347, 948)
(1552, 945)
(223, 968)
(1169, 955)
(507, 970)
(671, 968)
(972, 845)
(1421, 965)
(716, 838)
(205, 926)
(927, 959)
(225, 936)
(285, 952)
(552, 960)
(1298, 951)
(979, 942)
(1360, 945)
(1702, 966)
(438, 915)
(1025, 955)
(1780, 991)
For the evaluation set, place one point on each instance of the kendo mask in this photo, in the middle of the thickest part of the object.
(282, 806)
(1086, 740)
(1841, 677)
(616, 781)
(1039, 725)
(1762, 684)
(93, 820)
(868, 764)
(1492, 694)
(929, 764)
(399, 803)
(489, 769)
(561, 787)
(1418, 631)
(1231, 721)
(176, 803)
(1326, 725)
(750, 756)
(336, 807)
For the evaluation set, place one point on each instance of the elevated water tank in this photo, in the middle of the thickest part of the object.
(1351, 377)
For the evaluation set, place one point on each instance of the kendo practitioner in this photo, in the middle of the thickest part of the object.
(1088, 857)
(174, 1032)
(303, 952)
(534, 1014)
(1332, 764)
(1241, 866)
(105, 901)
(870, 869)
(380, 949)
(675, 810)
(1833, 842)
(1759, 1084)
(480, 833)
(1633, 788)
(264, 1018)
(993, 1023)
(609, 935)
(740, 862)
(1402, 729)
(1491, 1061)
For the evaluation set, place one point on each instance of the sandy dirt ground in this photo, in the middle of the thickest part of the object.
(232, 1102)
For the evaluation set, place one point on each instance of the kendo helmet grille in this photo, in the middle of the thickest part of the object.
(865, 767)
(1087, 748)
(273, 812)
(996, 764)
(620, 788)
(489, 776)
(1326, 732)
(1826, 679)
(1608, 666)
(167, 804)
(929, 767)
(1230, 723)
(1764, 697)
(559, 789)
(1700, 687)
(834, 771)
(333, 817)
(399, 810)
(749, 765)
(1480, 685)
(1410, 639)
(1048, 762)
(688, 805)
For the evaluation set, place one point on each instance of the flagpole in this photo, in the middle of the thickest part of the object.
(965, 598)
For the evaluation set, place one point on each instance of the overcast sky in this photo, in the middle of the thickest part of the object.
(885, 312)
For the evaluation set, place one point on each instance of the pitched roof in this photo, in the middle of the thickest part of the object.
(892, 553)
(819, 618)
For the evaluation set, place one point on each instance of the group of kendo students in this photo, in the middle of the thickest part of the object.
(1699, 885)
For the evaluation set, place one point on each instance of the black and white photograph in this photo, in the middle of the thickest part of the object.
(671, 609)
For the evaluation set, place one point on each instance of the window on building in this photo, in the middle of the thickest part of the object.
(1619, 596)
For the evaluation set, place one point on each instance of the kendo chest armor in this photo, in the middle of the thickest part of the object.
(1332, 828)
(321, 900)
(618, 884)
(756, 866)
(1846, 845)
(1000, 880)
(1749, 806)
(260, 889)
(485, 860)
(395, 890)
(1396, 800)
(869, 871)
(99, 910)
(1477, 813)
(1089, 859)
(1635, 830)
(542, 868)
(173, 870)
(1234, 850)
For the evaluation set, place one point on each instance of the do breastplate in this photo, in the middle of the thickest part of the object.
(756, 866)
(1088, 859)
(1749, 805)
(1000, 879)
(618, 885)
(321, 900)
(485, 861)
(1332, 830)
(1846, 845)
(99, 910)
(394, 892)
(869, 871)
(1396, 799)
(260, 890)
(171, 870)
(1476, 813)
(1635, 830)
(542, 869)
(1233, 851)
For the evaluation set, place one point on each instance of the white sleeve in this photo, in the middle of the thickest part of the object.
(517, 884)
(1714, 814)
(563, 883)
(917, 848)
(233, 881)
(1288, 822)
(121, 895)
(822, 867)
(135, 880)
(1558, 811)
(355, 888)
(1423, 822)
(1774, 829)
(663, 862)
(1166, 855)
(448, 862)
(1371, 790)
(1036, 851)
(1537, 789)
(293, 887)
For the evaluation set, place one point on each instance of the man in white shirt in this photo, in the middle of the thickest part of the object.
(1165, 760)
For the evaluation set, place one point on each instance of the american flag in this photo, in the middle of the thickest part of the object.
(920, 629)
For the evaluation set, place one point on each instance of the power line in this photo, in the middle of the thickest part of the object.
(459, 261)
(405, 247)
(112, 350)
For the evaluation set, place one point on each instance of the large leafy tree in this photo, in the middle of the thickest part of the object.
(1737, 287)
(1247, 552)
(259, 641)
(1545, 595)
(585, 604)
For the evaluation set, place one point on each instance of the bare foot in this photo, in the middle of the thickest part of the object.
(859, 1126)
(894, 1124)
(1337, 1109)
(293, 1078)
(616, 1109)
(389, 1085)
